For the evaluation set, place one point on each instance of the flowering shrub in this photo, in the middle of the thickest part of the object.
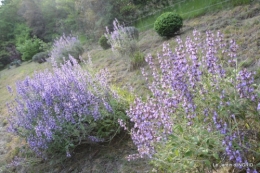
(199, 113)
(56, 111)
(65, 46)
(122, 39)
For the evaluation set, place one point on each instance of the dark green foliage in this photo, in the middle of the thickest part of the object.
(141, 2)
(108, 127)
(103, 42)
(4, 57)
(128, 10)
(168, 24)
(1, 65)
(8, 19)
(32, 14)
(40, 57)
(15, 63)
(25, 44)
(123, 10)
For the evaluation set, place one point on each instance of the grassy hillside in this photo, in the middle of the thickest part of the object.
(240, 23)
(189, 9)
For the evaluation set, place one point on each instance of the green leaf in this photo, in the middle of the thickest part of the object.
(205, 151)
(181, 129)
(257, 165)
(216, 156)
(173, 136)
(207, 162)
(188, 153)
(176, 152)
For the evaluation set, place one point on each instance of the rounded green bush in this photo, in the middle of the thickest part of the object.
(103, 42)
(168, 24)
(40, 57)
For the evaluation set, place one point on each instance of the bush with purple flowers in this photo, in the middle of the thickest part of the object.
(122, 39)
(57, 110)
(65, 46)
(203, 109)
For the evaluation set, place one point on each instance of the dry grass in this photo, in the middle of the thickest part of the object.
(240, 23)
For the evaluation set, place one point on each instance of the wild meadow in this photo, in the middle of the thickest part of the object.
(187, 101)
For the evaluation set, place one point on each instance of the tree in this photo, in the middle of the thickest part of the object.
(8, 19)
(32, 14)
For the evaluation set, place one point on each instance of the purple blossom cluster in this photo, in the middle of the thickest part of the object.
(59, 107)
(172, 87)
(185, 78)
(245, 80)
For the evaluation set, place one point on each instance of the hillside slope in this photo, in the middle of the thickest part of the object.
(241, 23)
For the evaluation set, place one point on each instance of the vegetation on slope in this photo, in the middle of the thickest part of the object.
(243, 27)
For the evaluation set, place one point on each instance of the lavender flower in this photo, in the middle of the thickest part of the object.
(63, 47)
(189, 84)
(244, 86)
(122, 39)
(52, 106)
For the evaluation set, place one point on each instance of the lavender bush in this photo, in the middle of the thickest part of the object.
(65, 46)
(203, 111)
(122, 39)
(56, 111)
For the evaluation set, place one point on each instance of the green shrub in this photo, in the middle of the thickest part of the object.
(40, 57)
(103, 42)
(15, 63)
(26, 45)
(168, 24)
(29, 47)
(4, 57)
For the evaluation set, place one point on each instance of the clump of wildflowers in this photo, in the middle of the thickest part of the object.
(194, 107)
(64, 47)
(245, 80)
(122, 39)
(57, 110)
